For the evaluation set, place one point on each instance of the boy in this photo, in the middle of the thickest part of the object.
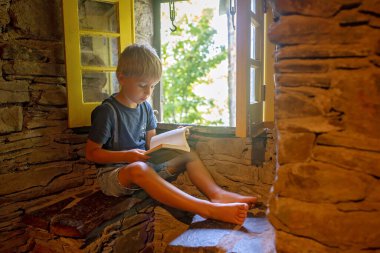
(121, 131)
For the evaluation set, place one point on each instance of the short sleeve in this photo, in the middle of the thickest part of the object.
(101, 124)
(151, 121)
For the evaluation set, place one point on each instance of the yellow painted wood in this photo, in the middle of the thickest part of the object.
(98, 69)
(79, 113)
(127, 23)
(99, 33)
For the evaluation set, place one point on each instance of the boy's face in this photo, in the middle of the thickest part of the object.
(136, 89)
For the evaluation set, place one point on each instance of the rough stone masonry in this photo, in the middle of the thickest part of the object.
(42, 161)
(327, 194)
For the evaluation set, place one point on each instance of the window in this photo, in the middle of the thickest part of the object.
(247, 67)
(95, 33)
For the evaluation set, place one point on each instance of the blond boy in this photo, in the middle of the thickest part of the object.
(122, 127)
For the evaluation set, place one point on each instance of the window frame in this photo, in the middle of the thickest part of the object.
(246, 113)
(249, 115)
(79, 112)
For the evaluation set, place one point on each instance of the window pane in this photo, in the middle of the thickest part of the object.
(97, 86)
(253, 42)
(252, 78)
(94, 15)
(198, 80)
(253, 6)
(99, 51)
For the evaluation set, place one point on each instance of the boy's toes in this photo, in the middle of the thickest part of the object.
(244, 207)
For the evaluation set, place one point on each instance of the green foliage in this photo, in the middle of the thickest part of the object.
(186, 64)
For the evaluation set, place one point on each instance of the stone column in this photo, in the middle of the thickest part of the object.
(327, 194)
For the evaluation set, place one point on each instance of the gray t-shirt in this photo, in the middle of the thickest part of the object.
(118, 127)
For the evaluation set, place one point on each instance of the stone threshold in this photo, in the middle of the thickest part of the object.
(256, 235)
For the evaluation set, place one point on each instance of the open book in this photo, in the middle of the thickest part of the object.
(168, 145)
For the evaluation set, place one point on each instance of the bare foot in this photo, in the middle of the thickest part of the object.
(230, 212)
(230, 197)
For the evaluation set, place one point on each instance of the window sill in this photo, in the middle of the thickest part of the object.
(219, 131)
(201, 130)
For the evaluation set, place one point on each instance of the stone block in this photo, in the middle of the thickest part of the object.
(370, 6)
(297, 79)
(324, 51)
(306, 7)
(21, 68)
(296, 106)
(350, 64)
(11, 119)
(56, 96)
(321, 182)
(236, 172)
(374, 22)
(317, 124)
(58, 184)
(18, 52)
(361, 88)
(349, 158)
(352, 17)
(291, 30)
(50, 80)
(228, 146)
(43, 22)
(350, 139)
(41, 219)
(4, 16)
(289, 243)
(294, 147)
(324, 223)
(144, 21)
(14, 92)
(301, 66)
(51, 153)
(41, 176)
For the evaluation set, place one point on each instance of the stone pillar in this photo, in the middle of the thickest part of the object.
(327, 194)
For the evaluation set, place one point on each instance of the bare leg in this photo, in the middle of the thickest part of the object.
(142, 175)
(202, 179)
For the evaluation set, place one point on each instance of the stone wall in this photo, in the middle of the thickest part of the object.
(327, 71)
(42, 161)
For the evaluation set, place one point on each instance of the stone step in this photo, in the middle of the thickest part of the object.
(256, 235)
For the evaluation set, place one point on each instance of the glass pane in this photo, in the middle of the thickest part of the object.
(253, 42)
(252, 81)
(99, 51)
(98, 85)
(253, 6)
(94, 15)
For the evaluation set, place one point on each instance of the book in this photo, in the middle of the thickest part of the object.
(168, 145)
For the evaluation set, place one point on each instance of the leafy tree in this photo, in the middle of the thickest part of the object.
(187, 63)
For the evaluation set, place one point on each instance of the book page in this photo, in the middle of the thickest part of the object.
(176, 137)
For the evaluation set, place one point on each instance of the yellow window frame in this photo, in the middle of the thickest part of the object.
(79, 112)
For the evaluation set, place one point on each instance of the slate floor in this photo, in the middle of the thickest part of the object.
(256, 235)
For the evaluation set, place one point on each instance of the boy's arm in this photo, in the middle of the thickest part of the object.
(149, 135)
(95, 153)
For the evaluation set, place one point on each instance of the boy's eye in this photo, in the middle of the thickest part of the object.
(143, 85)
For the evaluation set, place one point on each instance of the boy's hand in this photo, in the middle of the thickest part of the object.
(135, 155)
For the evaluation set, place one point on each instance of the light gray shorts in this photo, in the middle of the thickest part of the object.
(108, 180)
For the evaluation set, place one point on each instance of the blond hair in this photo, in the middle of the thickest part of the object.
(140, 60)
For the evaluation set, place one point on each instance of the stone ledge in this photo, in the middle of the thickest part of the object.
(85, 218)
(255, 235)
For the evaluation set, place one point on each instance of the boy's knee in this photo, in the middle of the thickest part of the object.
(136, 170)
